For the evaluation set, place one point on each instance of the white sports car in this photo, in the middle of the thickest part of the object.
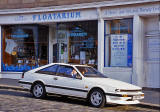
(79, 81)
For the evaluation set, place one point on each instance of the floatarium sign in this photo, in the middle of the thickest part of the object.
(56, 16)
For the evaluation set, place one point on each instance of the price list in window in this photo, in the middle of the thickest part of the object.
(119, 50)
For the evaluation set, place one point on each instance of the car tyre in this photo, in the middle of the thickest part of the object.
(97, 98)
(38, 90)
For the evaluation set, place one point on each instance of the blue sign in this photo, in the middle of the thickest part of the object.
(16, 68)
(19, 33)
(130, 42)
(78, 32)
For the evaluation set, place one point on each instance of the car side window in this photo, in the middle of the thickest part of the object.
(51, 70)
(65, 71)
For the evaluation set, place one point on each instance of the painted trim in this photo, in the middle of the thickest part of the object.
(73, 7)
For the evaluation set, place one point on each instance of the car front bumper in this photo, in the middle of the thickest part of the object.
(124, 99)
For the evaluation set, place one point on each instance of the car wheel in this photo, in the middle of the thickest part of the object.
(97, 98)
(38, 90)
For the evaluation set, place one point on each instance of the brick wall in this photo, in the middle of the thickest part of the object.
(16, 4)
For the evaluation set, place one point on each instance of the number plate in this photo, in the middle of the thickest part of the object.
(137, 97)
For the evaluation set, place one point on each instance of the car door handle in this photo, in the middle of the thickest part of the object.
(55, 78)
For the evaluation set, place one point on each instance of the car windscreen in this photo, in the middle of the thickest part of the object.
(90, 72)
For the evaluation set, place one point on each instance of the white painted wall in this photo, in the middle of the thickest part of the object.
(138, 38)
(100, 41)
(50, 44)
(119, 73)
(152, 52)
(12, 75)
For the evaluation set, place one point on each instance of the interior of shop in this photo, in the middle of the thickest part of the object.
(76, 42)
(26, 47)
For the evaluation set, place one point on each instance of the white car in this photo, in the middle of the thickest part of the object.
(79, 81)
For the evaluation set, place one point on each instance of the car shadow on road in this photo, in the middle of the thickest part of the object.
(73, 100)
(15, 93)
(56, 98)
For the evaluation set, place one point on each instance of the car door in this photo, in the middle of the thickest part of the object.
(65, 84)
(46, 75)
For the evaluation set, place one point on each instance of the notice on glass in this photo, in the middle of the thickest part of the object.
(153, 45)
(119, 50)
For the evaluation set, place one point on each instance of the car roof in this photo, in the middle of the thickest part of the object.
(66, 64)
(69, 64)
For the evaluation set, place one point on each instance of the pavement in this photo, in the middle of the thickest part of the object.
(151, 100)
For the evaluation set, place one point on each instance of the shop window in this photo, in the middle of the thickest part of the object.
(118, 43)
(24, 47)
(76, 43)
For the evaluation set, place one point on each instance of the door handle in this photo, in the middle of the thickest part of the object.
(55, 78)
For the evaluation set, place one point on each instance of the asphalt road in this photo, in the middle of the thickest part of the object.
(21, 101)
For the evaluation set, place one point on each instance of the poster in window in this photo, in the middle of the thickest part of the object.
(129, 47)
(119, 50)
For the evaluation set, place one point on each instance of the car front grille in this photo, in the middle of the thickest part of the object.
(137, 90)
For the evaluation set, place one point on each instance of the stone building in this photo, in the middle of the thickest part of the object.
(121, 38)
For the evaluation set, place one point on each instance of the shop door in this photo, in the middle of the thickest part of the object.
(62, 41)
(152, 59)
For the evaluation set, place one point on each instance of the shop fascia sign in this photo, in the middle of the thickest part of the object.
(42, 17)
(50, 16)
(132, 10)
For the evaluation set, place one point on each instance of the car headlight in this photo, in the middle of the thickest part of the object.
(117, 90)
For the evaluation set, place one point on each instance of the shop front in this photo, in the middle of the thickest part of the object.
(25, 47)
(122, 41)
(131, 44)
(42, 38)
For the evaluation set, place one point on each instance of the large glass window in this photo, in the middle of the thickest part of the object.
(76, 42)
(24, 47)
(118, 43)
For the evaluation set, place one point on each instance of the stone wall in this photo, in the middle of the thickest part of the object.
(17, 4)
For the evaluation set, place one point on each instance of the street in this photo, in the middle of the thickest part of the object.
(21, 101)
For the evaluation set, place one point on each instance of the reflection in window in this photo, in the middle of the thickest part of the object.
(24, 47)
(50, 69)
(118, 43)
(65, 71)
(76, 43)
